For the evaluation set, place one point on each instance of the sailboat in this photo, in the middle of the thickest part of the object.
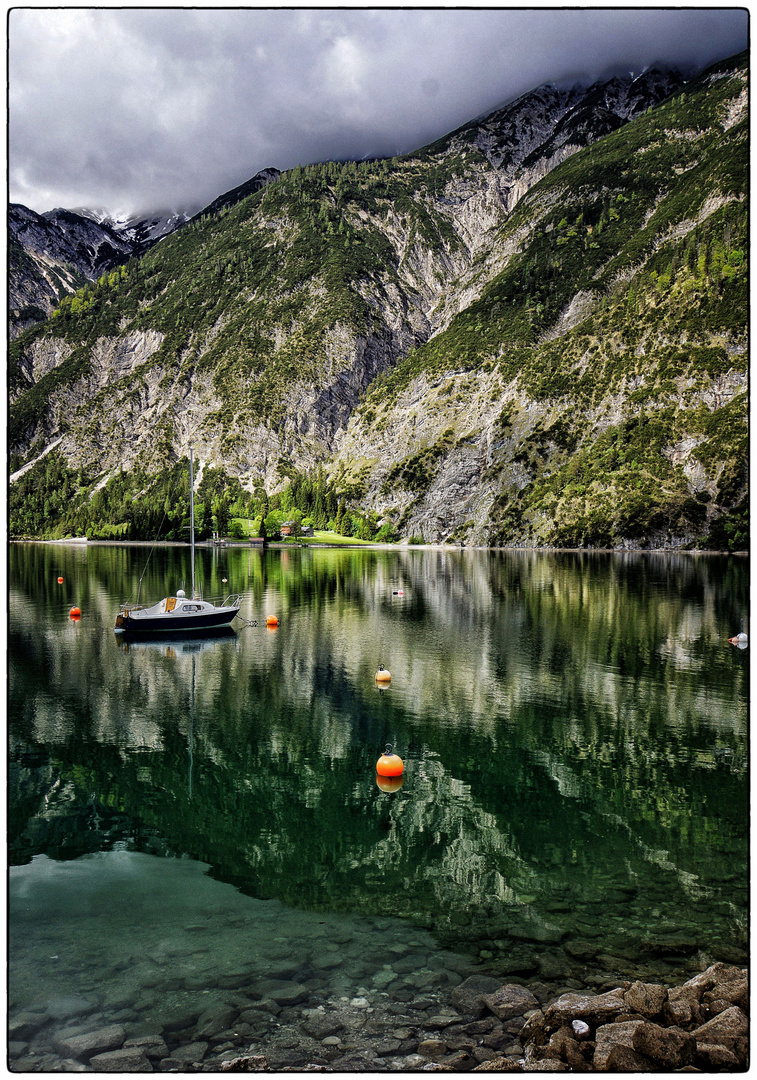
(180, 612)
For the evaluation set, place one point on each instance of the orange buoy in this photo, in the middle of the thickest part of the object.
(75, 613)
(382, 675)
(272, 621)
(389, 783)
(60, 580)
(389, 764)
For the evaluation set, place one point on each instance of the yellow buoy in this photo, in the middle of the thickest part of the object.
(389, 764)
(382, 675)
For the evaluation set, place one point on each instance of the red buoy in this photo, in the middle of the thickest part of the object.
(389, 764)
(75, 613)
(60, 580)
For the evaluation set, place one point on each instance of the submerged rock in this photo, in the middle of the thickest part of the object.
(70, 1006)
(509, 1001)
(468, 997)
(127, 1060)
(83, 1047)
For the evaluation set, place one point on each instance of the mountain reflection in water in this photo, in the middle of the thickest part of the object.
(573, 728)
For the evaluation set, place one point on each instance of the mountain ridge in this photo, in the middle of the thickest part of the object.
(36, 289)
(320, 289)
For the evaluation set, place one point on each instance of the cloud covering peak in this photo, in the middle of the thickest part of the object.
(154, 109)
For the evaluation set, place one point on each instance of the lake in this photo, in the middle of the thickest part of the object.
(190, 819)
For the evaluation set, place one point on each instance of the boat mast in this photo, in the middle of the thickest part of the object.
(192, 519)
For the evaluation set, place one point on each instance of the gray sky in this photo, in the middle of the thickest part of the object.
(166, 108)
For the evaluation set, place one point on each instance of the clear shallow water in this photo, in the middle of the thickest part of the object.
(574, 806)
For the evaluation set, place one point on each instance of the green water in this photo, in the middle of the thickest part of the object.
(573, 727)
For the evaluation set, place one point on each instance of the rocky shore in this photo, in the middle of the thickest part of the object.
(478, 1025)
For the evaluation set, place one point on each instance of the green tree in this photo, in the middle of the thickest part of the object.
(221, 517)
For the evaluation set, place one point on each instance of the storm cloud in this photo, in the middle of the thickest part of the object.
(132, 110)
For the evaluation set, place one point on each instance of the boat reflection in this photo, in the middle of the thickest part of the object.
(179, 643)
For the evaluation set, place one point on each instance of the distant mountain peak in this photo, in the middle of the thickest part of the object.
(235, 195)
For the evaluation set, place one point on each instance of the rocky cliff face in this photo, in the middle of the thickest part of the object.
(50, 256)
(53, 254)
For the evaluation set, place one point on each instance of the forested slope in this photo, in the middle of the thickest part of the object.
(596, 392)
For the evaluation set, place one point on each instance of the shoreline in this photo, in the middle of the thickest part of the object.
(477, 1022)
(278, 545)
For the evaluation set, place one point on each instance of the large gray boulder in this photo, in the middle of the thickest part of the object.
(668, 1047)
(468, 997)
(594, 1009)
(127, 1060)
(83, 1047)
(509, 1001)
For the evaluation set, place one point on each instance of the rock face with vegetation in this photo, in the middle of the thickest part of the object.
(531, 332)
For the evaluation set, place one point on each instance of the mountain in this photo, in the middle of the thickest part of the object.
(55, 253)
(231, 198)
(51, 255)
(141, 232)
(532, 331)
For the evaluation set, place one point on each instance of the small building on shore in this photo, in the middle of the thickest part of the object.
(289, 528)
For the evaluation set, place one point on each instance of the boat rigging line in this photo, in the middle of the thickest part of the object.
(139, 584)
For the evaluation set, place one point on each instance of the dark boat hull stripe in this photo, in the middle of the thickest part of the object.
(170, 623)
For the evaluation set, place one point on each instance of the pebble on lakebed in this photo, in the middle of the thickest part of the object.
(479, 1025)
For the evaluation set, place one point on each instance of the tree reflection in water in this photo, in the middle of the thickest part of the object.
(573, 728)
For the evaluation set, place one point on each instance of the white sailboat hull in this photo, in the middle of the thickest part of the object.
(176, 614)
